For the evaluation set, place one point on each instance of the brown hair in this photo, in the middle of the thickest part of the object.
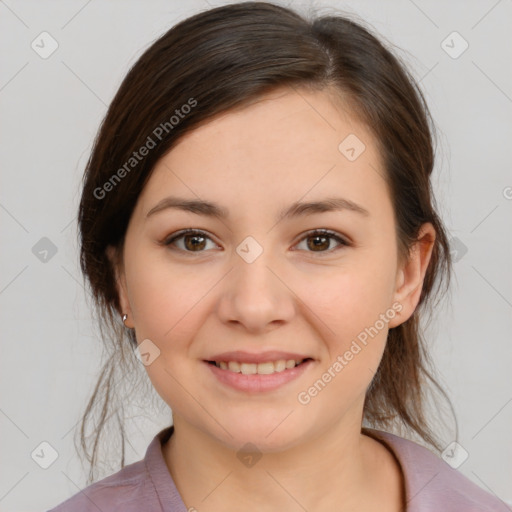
(221, 59)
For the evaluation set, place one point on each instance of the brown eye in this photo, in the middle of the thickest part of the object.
(193, 241)
(320, 241)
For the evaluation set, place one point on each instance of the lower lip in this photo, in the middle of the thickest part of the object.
(257, 383)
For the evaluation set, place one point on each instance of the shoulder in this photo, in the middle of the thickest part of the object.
(432, 484)
(143, 485)
(128, 490)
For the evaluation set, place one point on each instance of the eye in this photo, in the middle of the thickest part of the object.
(321, 238)
(194, 240)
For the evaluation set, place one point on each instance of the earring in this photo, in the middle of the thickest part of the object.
(125, 316)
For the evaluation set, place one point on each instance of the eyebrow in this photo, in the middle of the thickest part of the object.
(297, 209)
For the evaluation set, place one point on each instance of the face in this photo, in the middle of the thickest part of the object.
(264, 285)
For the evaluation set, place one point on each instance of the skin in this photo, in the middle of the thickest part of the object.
(254, 161)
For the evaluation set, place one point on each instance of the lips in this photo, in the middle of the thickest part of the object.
(255, 383)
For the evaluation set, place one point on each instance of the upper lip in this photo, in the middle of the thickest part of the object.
(261, 357)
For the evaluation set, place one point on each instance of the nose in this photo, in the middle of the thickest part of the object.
(255, 296)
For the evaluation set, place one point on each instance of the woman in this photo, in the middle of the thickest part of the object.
(257, 209)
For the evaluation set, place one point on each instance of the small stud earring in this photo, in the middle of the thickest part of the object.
(125, 316)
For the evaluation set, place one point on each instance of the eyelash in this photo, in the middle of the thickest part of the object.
(310, 234)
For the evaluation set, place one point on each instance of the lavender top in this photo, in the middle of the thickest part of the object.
(431, 485)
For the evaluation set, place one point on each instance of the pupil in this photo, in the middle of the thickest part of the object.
(322, 238)
(195, 244)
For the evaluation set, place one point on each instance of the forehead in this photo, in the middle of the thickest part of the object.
(279, 147)
(272, 123)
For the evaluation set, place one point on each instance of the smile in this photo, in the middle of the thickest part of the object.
(258, 377)
(266, 368)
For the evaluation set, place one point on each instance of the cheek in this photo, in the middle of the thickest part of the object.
(161, 292)
(348, 305)
(166, 305)
(351, 297)
(348, 311)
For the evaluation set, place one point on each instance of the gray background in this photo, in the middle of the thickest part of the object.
(51, 109)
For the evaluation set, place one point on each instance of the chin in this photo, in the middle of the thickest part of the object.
(267, 436)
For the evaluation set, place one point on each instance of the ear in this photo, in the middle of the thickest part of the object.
(122, 290)
(411, 274)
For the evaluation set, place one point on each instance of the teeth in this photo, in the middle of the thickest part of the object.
(259, 368)
(248, 368)
(234, 366)
(279, 366)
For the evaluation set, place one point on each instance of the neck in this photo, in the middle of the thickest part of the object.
(340, 469)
